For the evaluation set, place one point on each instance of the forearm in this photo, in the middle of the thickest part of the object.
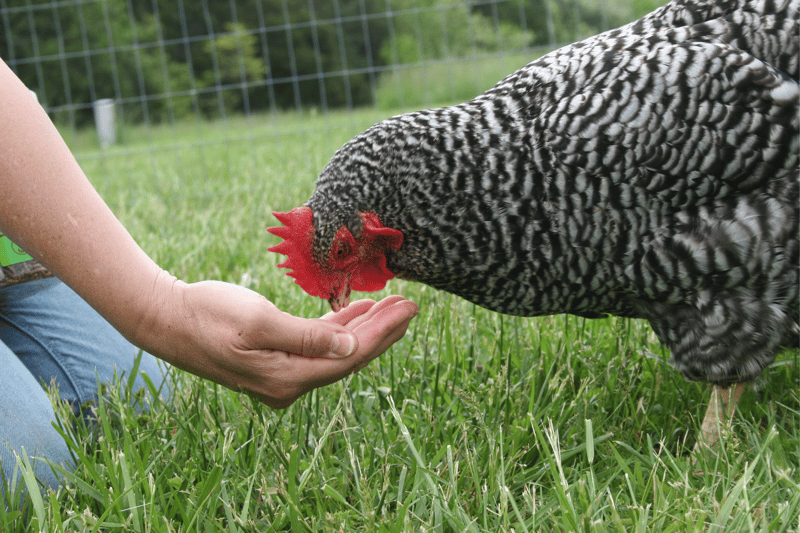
(49, 208)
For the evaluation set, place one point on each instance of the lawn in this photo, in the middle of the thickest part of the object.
(473, 422)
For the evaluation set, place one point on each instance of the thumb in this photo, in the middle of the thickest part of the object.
(311, 337)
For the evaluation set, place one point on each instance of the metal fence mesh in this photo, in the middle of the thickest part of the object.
(156, 64)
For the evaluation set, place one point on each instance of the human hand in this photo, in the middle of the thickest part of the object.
(237, 338)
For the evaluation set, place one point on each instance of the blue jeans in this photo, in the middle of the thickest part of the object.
(49, 334)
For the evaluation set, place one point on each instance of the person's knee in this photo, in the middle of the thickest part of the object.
(35, 438)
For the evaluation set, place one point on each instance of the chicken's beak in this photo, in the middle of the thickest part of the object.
(341, 300)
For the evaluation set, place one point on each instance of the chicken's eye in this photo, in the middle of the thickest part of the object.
(342, 250)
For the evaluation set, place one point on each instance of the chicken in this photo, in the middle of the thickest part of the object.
(651, 171)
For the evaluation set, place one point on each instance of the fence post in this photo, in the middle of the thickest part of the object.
(105, 120)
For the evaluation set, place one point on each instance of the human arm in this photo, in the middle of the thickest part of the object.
(49, 208)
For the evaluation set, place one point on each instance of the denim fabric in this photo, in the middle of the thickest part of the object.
(49, 334)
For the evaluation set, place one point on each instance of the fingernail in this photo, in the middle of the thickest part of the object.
(343, 345)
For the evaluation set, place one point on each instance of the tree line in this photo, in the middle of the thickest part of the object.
(165, 59)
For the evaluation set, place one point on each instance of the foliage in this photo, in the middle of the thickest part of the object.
(424, 30)
(164, 60)
(236, 64)
(445, 82)
(642, 7)
(45, 45)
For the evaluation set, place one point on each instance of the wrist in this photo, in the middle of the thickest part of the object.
(163, 318)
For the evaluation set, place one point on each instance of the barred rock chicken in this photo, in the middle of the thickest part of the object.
(650, 171)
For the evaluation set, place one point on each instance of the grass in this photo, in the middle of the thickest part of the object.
(443, 82)
(473, 422)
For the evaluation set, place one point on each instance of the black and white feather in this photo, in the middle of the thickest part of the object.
(650, 171)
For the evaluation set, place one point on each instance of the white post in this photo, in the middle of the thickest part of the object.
(105, 120)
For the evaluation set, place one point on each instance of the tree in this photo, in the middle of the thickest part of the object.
(434, 29)
(164, 59)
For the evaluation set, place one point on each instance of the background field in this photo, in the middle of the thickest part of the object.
(472, 422)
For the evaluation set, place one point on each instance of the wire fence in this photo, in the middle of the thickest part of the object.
(122, 77)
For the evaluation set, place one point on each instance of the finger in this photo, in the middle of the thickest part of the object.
(387, 342)
(379, 331)
(321, 338)
(375, 336)
(389, 310)
(375, 309)
(348, 313)
(373, 340)
(309, 337)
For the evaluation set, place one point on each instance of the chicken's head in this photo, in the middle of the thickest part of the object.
(330, 268)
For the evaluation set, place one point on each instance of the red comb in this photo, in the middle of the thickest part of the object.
(297, 232)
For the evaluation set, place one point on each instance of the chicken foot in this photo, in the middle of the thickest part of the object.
(719, 414)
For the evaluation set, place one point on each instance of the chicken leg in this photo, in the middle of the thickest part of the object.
(720, 411)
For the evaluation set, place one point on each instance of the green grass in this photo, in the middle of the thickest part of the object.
(446, 81)
(473, 422)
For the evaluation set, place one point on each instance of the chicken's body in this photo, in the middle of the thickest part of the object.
(649, 171)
